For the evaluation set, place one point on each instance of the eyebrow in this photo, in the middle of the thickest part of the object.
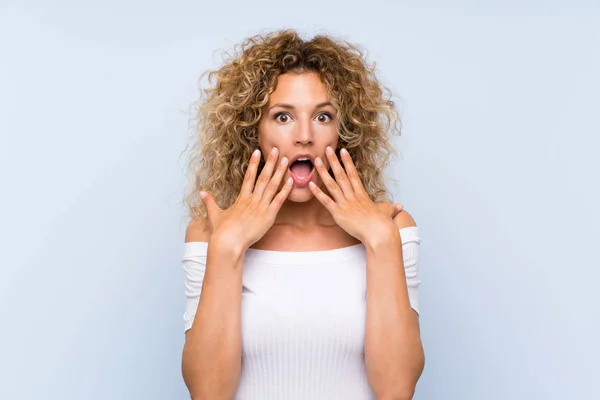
(291, 107)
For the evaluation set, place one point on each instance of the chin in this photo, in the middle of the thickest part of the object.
(300, 194)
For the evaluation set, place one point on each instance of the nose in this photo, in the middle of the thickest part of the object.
(303, 134)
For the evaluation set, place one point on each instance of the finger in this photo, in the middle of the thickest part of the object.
(210, 204)
(387, 208)
(331, 185)
(352, 172)
(327, 202)
(266, 173)
(395, 209)
(250, 177)
(273, 185)
(278, 201)
(338, 171)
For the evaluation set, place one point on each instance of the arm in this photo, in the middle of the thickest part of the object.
(211, 359)
(393, 350)
(212, 354)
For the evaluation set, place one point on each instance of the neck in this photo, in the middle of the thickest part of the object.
(304, 214)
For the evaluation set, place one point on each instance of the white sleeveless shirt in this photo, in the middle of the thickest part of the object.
(303, 319)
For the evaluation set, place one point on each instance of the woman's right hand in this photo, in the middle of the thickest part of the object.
(256, 206)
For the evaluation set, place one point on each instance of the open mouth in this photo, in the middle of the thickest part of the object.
(302, 171)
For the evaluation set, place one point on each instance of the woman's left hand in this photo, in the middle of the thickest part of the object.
(351, 207)
(389, 209)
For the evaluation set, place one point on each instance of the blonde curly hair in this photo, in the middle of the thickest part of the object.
(225, 123)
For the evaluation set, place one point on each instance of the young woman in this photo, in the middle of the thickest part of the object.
(301, 283)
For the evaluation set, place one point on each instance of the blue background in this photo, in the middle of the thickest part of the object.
(498, 166)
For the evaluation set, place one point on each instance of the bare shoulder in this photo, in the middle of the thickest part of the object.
(198, 230)
(404, 220)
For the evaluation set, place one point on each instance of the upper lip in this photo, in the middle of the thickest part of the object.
(297, 156)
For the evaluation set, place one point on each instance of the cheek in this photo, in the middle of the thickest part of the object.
(269, 136)
(265, 141)
(330, 135)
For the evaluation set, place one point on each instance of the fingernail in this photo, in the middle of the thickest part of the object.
(284, 161)
(318, 162)
(344, 151)
(256, 153)
(202, 195)
(329, 150)
(274, 150)
(399, 207)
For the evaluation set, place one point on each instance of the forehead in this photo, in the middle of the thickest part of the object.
(299, 87)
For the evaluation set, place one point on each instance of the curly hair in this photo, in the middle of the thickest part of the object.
(226, 119)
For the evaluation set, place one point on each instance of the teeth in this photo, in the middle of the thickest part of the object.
(303, 159)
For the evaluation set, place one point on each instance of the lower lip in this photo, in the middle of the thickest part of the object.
(298, 181)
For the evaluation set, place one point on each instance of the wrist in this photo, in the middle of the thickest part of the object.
(382, 236)
(227, 244)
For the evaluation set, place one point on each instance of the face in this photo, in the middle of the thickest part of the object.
(299, 120)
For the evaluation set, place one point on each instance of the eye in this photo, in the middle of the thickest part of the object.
(281, 114)
(327, 116)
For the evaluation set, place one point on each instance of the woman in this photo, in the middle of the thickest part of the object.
(298, 284)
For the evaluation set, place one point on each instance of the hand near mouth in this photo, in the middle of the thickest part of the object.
(255, 208)
(351, 207)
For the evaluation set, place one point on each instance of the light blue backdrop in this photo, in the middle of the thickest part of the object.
(499, 168)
